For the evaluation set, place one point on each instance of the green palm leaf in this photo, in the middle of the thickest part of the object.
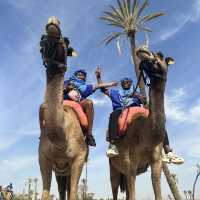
(151, 16)
(144, 5)
(114, 16)
(135, 7)
(129, 6)
(111, 20)
(117, 13)
(121, 8)
(111, 37)
(125, 5)
(145, 29)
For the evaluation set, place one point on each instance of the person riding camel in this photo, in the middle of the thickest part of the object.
(121, 98)
(76, 89)
(143, 53)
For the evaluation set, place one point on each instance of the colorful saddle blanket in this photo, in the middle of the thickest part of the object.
(79, 112)
(128, 115)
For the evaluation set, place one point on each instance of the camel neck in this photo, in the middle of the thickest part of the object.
(54, 106)
(157, 110)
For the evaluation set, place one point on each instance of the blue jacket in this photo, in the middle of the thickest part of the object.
(122, 98)
(84, 89)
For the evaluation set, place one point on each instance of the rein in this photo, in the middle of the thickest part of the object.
(49, 47)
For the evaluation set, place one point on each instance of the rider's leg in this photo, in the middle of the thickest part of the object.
(88, 108)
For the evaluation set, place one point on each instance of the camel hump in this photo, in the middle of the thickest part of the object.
(79, 112)
(128, 115)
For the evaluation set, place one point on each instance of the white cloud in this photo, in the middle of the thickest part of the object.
(11, 137)
(178, 110)
(180, 21)
(172, 31)
(196, 14)
(17, 164)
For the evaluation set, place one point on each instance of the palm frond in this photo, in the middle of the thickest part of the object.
(145, 29)
(110, 37)
(110, 20)
(125, 5)
(117, 25)
(114, 16)
(121, 8)
(129, 6)
(144, 5)
(117, 12)
(150, 17)
(135, 7)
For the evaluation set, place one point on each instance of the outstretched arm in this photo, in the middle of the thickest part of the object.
(99, 80)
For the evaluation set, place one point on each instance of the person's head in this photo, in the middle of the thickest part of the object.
(81, 74)
(126, 83)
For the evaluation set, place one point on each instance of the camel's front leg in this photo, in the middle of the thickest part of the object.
(46, 172)
(156, 168)
(76, 170)
(115, 180)
(131, 185)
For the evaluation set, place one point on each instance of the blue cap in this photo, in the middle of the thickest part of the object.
(80, 71)
(126, 79)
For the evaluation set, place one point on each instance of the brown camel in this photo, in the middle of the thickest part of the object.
(142, 145)
(62, 147)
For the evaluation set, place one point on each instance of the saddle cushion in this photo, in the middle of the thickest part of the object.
(128, 115)
(79, 112)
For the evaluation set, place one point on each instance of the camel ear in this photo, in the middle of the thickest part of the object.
(169, 61)
(71, 52)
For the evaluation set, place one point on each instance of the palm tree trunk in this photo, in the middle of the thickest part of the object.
(171, 182)
(195, 182)
(136, 62)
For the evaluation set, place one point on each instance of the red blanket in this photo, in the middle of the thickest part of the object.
(79, 111)
(128, 115)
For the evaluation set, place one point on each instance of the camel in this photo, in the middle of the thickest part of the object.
(62, 147)
(142, 145)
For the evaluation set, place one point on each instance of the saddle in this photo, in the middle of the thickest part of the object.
(79, 112)
(128, 115)
(121, 119)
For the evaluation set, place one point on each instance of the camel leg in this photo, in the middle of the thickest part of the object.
(76, 170)
(156, 168)
(131, 185)
(62, 186)
(46, 172)
(115, 181)
(68, 186)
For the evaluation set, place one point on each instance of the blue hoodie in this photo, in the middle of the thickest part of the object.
(122, 98)
(84, 89)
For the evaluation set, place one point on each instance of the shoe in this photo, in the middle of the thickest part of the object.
(90, 141)
(112, 151)
(172, 158)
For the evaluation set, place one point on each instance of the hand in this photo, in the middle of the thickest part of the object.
(98, 71)
(113, 83)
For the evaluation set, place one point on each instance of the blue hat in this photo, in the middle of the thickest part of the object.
(126, 79)
(80, 71)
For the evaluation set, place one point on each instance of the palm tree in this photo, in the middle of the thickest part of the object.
(128, 16)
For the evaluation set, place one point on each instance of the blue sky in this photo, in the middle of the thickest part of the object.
(22, 83)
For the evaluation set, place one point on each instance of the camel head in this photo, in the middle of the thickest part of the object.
(54, 48)
(155, 65)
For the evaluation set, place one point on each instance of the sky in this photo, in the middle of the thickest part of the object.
(22, 84)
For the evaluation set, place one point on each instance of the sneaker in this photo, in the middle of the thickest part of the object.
(172, 158)
(90, 141)
(112, 151)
